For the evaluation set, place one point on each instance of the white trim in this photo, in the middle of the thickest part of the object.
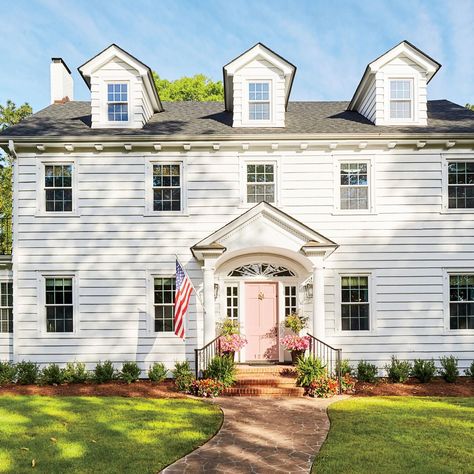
(41, 294)
(259, 160)
(338, 301)
(7, 279)
(246, 120)
(413, 78)
(445, 159)
(171, 160)
(105, 97)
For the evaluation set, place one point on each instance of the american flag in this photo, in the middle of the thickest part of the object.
(184, 288)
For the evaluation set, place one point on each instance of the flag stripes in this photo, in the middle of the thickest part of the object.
(184, 289)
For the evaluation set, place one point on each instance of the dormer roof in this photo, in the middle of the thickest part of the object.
(259, 51)
(115, 51)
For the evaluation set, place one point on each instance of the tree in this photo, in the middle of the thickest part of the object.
(9, 115)
(470, 106)
(198, 87)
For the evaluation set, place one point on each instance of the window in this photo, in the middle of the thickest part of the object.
(291, 305)
(261, 270)
(259, 101)
(461, 185)
(59, 304)
(401, 99)
(355, 303)
(260, 183)
(461, 301)
(354, 186)
(117, 102)
(6, 307)
(167, 187)
(232, 303)
(58, 188)
(164, 304)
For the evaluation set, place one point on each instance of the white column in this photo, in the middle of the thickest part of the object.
(209, 306)
(318, 300)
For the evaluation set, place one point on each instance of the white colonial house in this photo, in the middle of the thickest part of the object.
(359, 215)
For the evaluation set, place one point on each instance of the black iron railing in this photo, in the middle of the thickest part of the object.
(329, 356)
(203, 356)
(5, 236)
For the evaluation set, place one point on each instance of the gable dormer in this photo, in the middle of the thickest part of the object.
(123, 92)
(257, 86)
(393, 88)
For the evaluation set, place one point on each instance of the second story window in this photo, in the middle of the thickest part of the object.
(58, 188)
(354, 186)
(259, 101)
(260, 182)
(401, 99)
(167, 187)
(117, 102)
(461, 185)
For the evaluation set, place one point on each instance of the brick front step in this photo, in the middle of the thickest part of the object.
(265, 369)
(252, 379)
(263, 391)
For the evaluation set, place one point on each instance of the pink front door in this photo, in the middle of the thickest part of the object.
(261, 321)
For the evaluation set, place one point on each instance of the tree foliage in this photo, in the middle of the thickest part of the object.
(470, 106)
(198, 87)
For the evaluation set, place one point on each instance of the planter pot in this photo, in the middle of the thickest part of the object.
(295, 355)
(230, 354)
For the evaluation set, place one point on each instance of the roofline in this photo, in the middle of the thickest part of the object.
(271, 51)
(351, 103)
(61, 60)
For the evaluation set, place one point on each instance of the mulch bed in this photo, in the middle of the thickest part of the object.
(142, 388)
(464, 387)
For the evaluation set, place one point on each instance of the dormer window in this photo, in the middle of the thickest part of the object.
(117, 102)
(259, 101)
(401, 99)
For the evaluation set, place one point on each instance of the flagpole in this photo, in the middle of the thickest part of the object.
(192, 284)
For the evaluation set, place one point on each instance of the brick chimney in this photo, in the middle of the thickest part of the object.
(62, 86)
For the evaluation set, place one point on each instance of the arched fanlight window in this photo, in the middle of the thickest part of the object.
(261, 270)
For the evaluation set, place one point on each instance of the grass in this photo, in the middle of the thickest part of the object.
(394, 435)
(100, 434)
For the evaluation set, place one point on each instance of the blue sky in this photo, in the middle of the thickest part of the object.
(330, 42)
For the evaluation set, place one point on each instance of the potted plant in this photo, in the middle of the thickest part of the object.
(297, 345)
(295, 322)
(230, 340)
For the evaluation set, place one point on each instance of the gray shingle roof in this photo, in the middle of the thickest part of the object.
(210, 119)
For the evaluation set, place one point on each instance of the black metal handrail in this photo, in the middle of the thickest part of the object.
(330, 357)
(5, 236)
(204, 355)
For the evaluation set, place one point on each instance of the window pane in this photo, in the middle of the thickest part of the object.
(259, 111)
(164, 292)
(461, 307)
(400, 89)
(59, 304)
(166, 187)
(400, 109)
(58, 184)
(355, 303)
(354, 186)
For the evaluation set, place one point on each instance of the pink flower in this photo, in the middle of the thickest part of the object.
(232, 342)
(295, 343)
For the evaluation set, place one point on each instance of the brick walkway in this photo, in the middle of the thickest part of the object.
(261, 435)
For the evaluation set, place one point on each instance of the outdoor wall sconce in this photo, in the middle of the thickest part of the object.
(308, 290)
(216, 290)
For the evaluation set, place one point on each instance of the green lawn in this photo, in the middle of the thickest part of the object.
(100, 434)
(399, 435)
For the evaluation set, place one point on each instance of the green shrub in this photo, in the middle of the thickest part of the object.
(470, 370)
(183, 376)
(222, 369)
(157, 372)
(206, 388)
(345, 367)
(75, 372)
(7, 373)
(398, 371)
(104, 372)
(423, 370)
(449, 368)
(130, 372)
(322, 387)
(52, 374)
(308, 369)
(366, 372)
(27, 372)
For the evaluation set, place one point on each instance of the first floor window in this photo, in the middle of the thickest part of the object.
(167, 187)
(355, 303)
(59, 304)
(461, 185)
(260, 182)
(290, 300)
(354, 186)
(6, 307)
(58, 188)
(164, 289)
(232, 302)
(461, 301)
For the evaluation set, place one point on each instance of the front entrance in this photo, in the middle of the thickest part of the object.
(261, 321)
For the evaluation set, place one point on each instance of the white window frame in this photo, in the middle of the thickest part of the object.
(41, 291)
(127, 102)
(243, 178)
(119, 78)
(149, 186)
(414, 90)
(41, 190)
(447, 272)
(260, 101)
(370, 161)
(7, 333)
(246, 121)
(446, 159)
(338, 302)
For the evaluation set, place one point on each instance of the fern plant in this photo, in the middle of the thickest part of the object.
(222, 369)
(309, 369)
